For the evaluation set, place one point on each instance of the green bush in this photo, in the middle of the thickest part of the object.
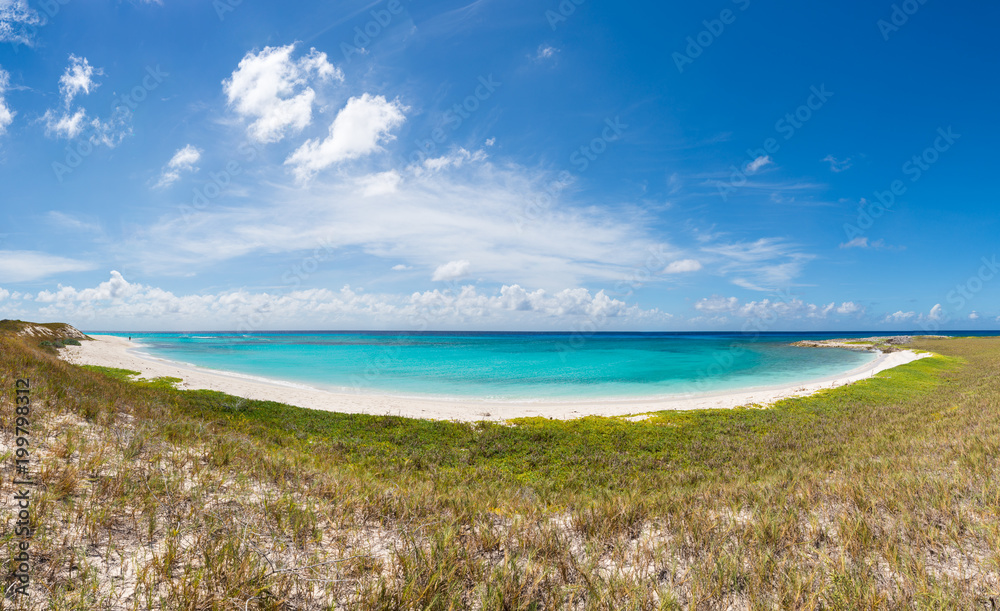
(71, 342)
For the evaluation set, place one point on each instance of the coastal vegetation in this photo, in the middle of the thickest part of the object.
(880, 494)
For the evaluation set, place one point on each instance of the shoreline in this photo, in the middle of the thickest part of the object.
(112, 351)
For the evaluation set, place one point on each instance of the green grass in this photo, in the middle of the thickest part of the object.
(881, 494)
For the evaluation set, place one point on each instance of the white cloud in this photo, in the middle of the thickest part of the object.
(682, 266)
(849, 307)
(754, 166)
(184, 160)
(72, 223)
(900, 316)
(275, 91)
(838, 165)
(383, 183)
(455, 159)
(401, 268)
(79, 76)
(545, 52)
(69, 123)
(974, 316)
(28, 265)
(767, 310)
(358, 130)
(482, 212)
(16, 22)
(764, 265)
(6, 114)
(856, 243)
(110, 133)
(453, 270)
(511, 306)
(716, 304)
(936, 313)
(64, 125)
(875, 245)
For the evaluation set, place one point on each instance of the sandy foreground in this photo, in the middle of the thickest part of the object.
(111, 351)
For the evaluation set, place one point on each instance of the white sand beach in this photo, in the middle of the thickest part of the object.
(111, 351)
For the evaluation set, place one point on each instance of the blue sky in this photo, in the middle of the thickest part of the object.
(571, 165)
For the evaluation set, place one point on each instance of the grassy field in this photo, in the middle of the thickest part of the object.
(882, 494)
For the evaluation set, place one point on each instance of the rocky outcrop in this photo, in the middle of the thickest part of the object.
(49, 331)
(885, 344)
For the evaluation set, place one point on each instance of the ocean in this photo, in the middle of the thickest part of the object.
(510, 366)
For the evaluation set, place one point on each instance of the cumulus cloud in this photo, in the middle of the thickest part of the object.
(453, 270)
(275, 91)
(28, 265)
(360, 127)
(17, 22)
(401, 268)
(69, 123)
(64, 125)
(849, 307)
(900, 316)
(118, 299)
(936, 314)
(184, 160)
(78, 77)
(772, 310)
(682, 266)
(974, 316)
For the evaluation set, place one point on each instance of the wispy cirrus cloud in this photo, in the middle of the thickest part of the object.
(838, 165)
(30, 265)
(766, 264)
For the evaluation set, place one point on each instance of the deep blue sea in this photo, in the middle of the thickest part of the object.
(511, 366)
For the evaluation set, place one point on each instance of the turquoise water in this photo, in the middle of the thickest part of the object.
(511, 366)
